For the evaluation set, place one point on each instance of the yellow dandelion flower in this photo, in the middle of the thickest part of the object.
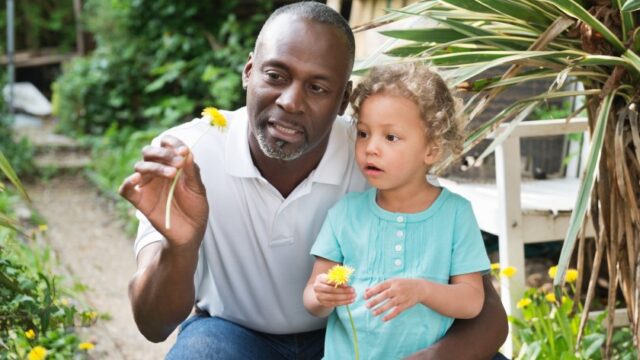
(565, 299)
(43, 227)
(37, 353)
(495, 266)
(550, 297)
(571, 276)
(508, 272)
(64, 301)
(214, 117)
(86, 346)
(339, 275)
(552, 272)
(523, 303)
(30, 334)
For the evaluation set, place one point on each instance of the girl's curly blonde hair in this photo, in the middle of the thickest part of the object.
(440, 110)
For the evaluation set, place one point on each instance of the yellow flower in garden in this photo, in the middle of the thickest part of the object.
(37, 353)
(86, 346)
(508, 272)
(552, 272)
(339, 275)
(495, 266)
(571, 276)
(43, 227)
(214, 117)
(550, 297)
(30, 334)
(523, 303)
(565, 299)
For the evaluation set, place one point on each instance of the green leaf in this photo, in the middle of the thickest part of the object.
(628, 22)
(407, 50)
(6, 168)
(631, 5)
(602, 60)
(575, 9)
(470, 5)
(433, 35)
(582, 202)
(633, 59)
(516, 10)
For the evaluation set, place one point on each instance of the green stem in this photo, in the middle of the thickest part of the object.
(355, 334)
(167, 213)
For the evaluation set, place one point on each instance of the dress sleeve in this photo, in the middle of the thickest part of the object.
(327, 244)
(468, 253)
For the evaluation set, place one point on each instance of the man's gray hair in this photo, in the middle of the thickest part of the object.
(319, 12)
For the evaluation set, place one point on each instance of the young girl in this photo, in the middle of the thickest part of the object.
(416, 248)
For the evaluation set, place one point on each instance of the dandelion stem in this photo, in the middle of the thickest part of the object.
(167, 213)
(355, 334)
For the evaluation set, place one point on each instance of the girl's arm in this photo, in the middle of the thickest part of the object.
(461, 299)
(320, 297)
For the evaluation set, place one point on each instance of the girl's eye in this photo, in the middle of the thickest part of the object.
(362, 134)
(392, 138)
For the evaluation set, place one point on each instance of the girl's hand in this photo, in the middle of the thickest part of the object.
(396, 295)
(328, 295)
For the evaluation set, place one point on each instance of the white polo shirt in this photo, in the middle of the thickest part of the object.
(254, 259)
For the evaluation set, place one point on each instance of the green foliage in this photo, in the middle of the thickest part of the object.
(35, 308)
(549, 328)
(157, 63)
(18, 153)
(41, 23)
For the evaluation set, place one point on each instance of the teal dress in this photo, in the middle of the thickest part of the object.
(435, 244)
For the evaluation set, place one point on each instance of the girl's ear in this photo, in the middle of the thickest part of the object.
(432, 155)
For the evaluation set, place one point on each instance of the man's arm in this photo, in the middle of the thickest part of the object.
(162, 291)
(477, 338)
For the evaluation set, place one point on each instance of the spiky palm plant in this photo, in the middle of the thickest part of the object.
(593, 42)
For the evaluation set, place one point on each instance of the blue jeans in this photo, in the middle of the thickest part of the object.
(205, 337)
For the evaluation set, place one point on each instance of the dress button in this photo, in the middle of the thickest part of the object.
(400, 218)
(399, 233)
(398, 262)
(398, 247)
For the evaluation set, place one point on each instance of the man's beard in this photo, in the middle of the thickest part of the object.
(278, 152)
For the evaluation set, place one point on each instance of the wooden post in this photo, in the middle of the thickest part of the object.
(510, 237)
(77, 11)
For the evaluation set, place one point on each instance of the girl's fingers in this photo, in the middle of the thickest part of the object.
(383, 308)
(395, 312)
(377, 299)
(370, 292)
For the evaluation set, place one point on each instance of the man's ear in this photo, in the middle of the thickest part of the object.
(432, 155)
(345, 97)
(246, 71)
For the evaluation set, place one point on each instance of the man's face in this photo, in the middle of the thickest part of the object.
(296, 85)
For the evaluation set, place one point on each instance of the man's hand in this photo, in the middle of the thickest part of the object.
(329, 295)
(148, 188)
(396, 295)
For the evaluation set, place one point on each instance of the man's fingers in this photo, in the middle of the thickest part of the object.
(148, 168)
(128, 188)
(166, 156)
(169, 141)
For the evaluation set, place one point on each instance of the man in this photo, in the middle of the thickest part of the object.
(243, 219)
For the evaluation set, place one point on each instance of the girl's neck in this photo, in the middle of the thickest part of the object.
(408, 200)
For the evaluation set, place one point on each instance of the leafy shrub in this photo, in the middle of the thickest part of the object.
(38, 315)
(156, 63)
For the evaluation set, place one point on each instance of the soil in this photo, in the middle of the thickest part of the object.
(91, 245)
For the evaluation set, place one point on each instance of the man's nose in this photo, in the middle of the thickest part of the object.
(291, 99)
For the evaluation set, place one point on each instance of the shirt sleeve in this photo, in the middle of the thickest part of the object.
(468, 254)
(327, 245)
(147, 234)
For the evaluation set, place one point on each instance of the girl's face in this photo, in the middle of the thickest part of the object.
(391, 146)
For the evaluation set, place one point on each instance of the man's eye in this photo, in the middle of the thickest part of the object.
(392, 138)
(274, 76)
(318, 89)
